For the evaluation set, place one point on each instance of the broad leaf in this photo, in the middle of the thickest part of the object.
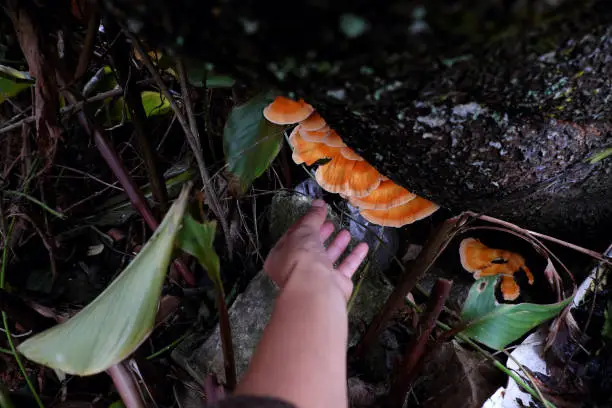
(112, 326)
(197, 239)
(12, 82)
(102, 81)
(250, 142)
(496, 325)
(154, 104)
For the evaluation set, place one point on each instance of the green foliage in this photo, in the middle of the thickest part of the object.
(496, 325)
(597, 157)
(606, 330)
(102, 81)
(112, 326)
(197, 240)
(117, 404)
(200, 74)
(154, 104)
(250, 142)
(12, 82)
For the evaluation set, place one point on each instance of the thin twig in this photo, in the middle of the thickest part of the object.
(36, 201)
(192, 140)
(77, 106)
(120, 58)
(577, 248)
(88, 175)
(88, 45)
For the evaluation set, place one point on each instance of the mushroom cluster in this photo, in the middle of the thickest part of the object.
(481, 260)
(379, 199)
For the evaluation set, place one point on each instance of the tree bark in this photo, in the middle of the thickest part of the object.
(499, 117)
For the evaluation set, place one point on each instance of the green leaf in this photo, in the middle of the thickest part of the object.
(12, 82)
(497, 325)
(112, 326)
(197, 239)
(102, 81)
(599, 156)
(117, 404)
(198, 71)
(154, 104)
(250, 142)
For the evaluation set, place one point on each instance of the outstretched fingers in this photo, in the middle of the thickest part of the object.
(338, 245)
(326, 230)
(352, 261)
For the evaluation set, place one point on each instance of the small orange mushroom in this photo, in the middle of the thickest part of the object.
(315, 136)
(350, 154)
(313, 122)
(333, 139)
(481, 260)
(387, 195)
(509, 288)
(414, 210)
(285, 111)
(351, 178)
(309, 152)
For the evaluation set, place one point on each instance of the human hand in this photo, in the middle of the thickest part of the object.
(300, 250)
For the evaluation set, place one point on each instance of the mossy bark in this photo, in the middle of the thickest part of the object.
(473, 104)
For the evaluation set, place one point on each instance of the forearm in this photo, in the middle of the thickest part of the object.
(307, 334)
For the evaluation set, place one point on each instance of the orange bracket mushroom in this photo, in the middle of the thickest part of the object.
(379, 199)
(284, 111)
(481, 260)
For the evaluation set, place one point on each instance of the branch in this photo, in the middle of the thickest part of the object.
(192, 139)
(90, 39)
(427, 257)
(77, 106)
(408, 368)
(120, 58)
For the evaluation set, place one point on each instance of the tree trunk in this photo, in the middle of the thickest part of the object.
(473, 106)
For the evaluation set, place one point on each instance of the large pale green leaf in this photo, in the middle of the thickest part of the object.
(12, 82)
(250, 142)
(496, 325)
(112, 326)
(197, 239)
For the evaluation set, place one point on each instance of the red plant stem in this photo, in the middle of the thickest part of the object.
(408, 368)
(429, 254)
(225, 333)
(131, 189)
(126, 386)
